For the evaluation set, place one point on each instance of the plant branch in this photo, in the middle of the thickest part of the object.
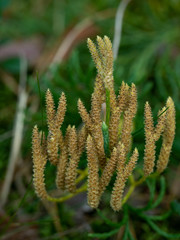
(118, 26)
(68, 196)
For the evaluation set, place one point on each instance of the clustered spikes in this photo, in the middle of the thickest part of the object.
(93, 126)
(103, 59)
(125, 104)
(168, 136)
(93, 176)
(62, 151)
(39, 162)
(54, 123)
(149, 152)
(73, 162)
(122, 175)
(62, 164)
(129, 115)
(166, 127)
(107, 141)
(108, 170)
(159, 128)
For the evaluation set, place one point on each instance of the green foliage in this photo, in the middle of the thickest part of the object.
(110, 223)
(175, 206)
(142, 213)
(159, 231)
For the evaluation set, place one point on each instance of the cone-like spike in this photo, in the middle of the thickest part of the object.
(168, 136)
(39, 162)
(149, 152)
(93, 177)
(73, 162)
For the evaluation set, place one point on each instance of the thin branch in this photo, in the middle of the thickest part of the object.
(6, 135)
(17, 131)
(118, 26)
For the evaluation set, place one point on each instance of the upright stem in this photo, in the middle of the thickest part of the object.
(107, 107)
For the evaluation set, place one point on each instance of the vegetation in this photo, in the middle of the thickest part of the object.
(148, 60)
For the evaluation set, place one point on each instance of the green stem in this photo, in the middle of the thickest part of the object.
(105, 133)
(131, 179)
(68, 196)
(140, 181)
(127, 196)
(134, 184)
(83, 174)
(107, 107)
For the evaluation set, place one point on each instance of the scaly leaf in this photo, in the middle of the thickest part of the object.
(103, 235)
(151, 185)
(130, 235)
(162, 217)
(160, 231)
(108, 221)
(175, 206)
(161, 194)
(126, 231)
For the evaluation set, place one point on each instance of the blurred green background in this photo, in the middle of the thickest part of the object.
(49, 36)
